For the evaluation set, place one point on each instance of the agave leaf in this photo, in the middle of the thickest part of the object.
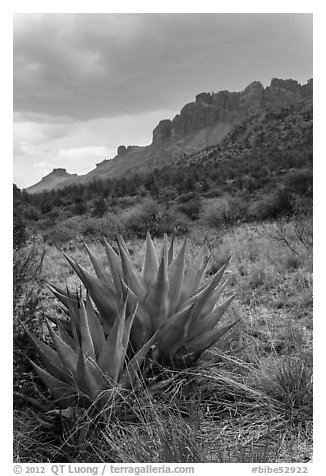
(49, 357)
(62, 322)
(115, 266)
(101, 379)
(171, 251)
(112, 354)
(67, 355)
(207, 339)
(86, 343)
(64, 394)
(66, 336)
(75, 324)
(127, 329)
(95, 328)
(141, 327)
(62, 295)
(176, 276)
(193, 276)
(100, 272)
(173, 333)
(103, 296)
(75, 266)
(157, 301)
(130, 274)
(207, 322)
(211, 302)
(150, 264)
(164, 250)
(206, 310)
(131, 370)
(202, 297)
(85, 378)
(122, 245)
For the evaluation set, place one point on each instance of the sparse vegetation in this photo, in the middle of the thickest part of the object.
(248, 398)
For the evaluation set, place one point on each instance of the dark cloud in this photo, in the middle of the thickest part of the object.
(84, 66)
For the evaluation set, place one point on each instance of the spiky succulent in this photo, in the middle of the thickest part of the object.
(85, 365)
(165, 299)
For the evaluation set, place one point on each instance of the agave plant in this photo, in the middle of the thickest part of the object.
(85, 365)
(164, 298)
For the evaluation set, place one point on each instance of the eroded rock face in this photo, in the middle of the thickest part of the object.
(122, 149)
(162, 131)
(59, 171)
(202, 123)
(287, 84)
(226, 106)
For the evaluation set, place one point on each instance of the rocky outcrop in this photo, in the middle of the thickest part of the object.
(56, 179)
(122, 149)
(57, 173)
(162, 132)
(200, 124)
(286, 84)
(225, 106)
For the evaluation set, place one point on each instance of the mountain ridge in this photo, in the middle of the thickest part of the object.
(203, 123)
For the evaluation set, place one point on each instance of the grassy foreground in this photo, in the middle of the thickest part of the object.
(249, 399)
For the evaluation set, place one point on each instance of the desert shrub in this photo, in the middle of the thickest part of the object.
(19, 232)
(191, 208)
(46, 206)
(226, 211)
(274, 205)
(79, 208)
(155, 218)
(27, 288)
(295, 235)
(161, 436)
(60, 233)
(214, 215)
(27, 266)
(100, 207)
(84, 226)
(31, 213)
(187, 197)
(257, 276)
(138, 430)
(93, 228)
(288, 380)
(300, 182)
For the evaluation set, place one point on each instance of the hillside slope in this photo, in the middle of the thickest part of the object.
(54, 180)
(201, 124)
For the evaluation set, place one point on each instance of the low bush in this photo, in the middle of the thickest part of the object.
(155, 218)
(191, 209)
(225, 212)
(273, 205)
(27, 288)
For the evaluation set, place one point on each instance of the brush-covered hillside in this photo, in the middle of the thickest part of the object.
(200, 124)
(262, 169)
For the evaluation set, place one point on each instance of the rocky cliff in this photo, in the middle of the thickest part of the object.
(226, 106)
(200, 124)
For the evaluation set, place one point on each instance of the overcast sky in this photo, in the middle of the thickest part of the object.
(86, 83)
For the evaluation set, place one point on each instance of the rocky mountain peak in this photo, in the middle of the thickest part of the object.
(227, 107)
(122, 149)
(203, 123)
(59, 172)
(52, 180)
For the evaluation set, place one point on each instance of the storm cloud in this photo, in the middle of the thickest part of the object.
(86, 83)
(86, 66)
